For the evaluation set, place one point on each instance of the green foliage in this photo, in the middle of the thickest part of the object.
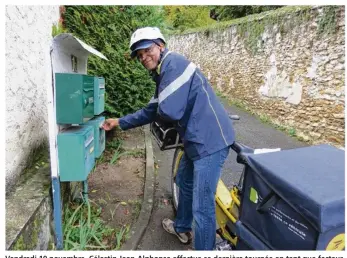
(327, 21)
(121, 235)
(57, 29)
(229, 12)
(115, 144)
(292, 132)
(119, 151)
(117, 154)
(108, 29)
(251, 31)
(264, 118)
(180, 18)
(274, 15)
(83, 228)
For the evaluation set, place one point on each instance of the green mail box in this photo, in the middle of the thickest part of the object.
(99, 134)
(76, 153)
(74, 98)
(99, 95)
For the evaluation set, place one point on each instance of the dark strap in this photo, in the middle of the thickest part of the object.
(269, 201)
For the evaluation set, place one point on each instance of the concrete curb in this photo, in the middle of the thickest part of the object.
(138, 230)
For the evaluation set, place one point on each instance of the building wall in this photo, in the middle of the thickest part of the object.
(28, 74)
(294, 72)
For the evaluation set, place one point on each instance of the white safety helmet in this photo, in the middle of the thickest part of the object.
(143, 34)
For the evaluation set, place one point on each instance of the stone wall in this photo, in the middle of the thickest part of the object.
(293, 72)
(28, 74)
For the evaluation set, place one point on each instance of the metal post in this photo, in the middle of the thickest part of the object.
(57, 213)
(85, 191)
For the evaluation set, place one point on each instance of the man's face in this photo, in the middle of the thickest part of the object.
(149, 57)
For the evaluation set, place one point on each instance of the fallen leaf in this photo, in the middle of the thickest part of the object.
(37, 167)
(94, 191)
(123, 203)
(126, 212)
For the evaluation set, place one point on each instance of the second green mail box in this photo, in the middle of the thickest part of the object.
(76, 153)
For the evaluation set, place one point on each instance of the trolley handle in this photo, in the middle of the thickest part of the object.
(240, 148)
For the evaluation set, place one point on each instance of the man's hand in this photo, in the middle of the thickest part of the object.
(110, 123)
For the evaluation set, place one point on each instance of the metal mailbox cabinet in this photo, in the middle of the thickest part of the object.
(99, 135)
(74, 98)
(76, 153)
(99, 95)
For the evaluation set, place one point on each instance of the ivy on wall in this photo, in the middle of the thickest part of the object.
(252, 30)
(327, 21)
(108, 29)
(251, 27)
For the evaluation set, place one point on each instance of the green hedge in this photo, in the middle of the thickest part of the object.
(108, 29)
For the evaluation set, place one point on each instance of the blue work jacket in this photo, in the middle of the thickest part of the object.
(185, 98)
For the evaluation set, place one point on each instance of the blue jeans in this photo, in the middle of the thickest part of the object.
(197, 182)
